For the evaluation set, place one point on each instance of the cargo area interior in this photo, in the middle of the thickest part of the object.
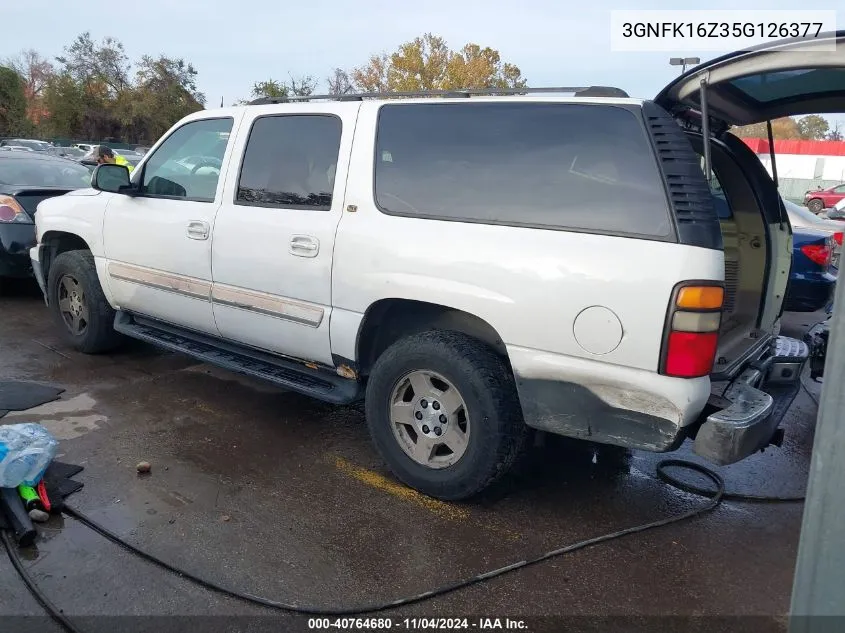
(745, 245)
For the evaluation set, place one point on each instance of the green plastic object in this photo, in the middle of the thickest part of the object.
(31, 500)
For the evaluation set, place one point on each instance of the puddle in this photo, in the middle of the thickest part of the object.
(65, 419)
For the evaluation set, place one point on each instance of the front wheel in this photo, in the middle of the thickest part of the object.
(79, 307)
(815, 205)
(443, 412)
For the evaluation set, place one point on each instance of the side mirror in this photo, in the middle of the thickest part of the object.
(111, 178)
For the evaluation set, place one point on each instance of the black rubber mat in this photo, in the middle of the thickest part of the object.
(59, 484)
(20, 396)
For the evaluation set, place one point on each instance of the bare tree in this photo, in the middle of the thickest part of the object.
(339, 82)
(302, 86)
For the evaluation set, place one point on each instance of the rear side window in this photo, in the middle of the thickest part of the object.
(546, 165)
(290, 162)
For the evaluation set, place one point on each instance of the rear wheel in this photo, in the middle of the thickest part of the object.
(85, 318)
(443, 412)
(815, 205)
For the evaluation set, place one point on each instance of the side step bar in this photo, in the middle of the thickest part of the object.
(319, 384)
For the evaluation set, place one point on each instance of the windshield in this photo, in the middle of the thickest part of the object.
(36, 172)
(802, 213)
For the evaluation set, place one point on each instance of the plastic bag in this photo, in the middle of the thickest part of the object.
(25, 452)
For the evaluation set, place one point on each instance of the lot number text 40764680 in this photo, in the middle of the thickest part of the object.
(416, 624)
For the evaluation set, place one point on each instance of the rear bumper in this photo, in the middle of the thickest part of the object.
(809, 293)
(646, 411)
(752, 415)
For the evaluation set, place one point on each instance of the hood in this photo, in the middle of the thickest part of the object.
(784, 78)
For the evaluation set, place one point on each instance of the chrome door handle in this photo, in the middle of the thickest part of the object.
(198, 230)
(304, 246)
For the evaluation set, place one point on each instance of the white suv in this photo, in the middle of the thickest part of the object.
(475, 267)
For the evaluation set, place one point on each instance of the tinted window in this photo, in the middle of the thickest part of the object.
(785, 84)
(41, 172)
(188, 163)
(573, 166)
(290, 162)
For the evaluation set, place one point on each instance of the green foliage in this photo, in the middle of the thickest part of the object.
(13, 119)
(813, 127)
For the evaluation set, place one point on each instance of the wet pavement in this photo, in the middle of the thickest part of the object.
(284, 497)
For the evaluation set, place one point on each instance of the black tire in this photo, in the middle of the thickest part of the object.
(498, 435)
(98, 334)
(815, 205)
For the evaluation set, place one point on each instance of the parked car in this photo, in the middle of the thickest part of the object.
(473, 268)
(32, 144)
(73, 153)
(824, 198)
(25, 180)
(90, 157)
(812, 279)
(800, 217)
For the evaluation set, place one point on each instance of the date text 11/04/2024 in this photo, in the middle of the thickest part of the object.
(376, 624)
(769, 30)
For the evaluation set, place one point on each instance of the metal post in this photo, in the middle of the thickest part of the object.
(705, 130)
(819, 583)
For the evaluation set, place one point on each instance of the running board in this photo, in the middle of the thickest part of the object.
(319, 384)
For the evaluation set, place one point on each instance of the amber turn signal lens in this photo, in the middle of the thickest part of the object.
(701, 297)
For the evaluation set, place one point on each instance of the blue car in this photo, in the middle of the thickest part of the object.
(813, 277)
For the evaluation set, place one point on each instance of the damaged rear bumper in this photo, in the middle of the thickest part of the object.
(740, 429)
(752, 413)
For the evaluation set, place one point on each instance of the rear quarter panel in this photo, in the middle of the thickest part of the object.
(531, 285)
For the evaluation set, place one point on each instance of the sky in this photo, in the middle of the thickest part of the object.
(238, 42)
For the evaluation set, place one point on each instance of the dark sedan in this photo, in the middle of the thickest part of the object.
(812, 279)
(27, 178)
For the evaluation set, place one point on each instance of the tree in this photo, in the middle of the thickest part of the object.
(836, 133)
(301, 86)
(783, 128)
(13, 119)
(270, 89)
(427, 63)
(813, 127)
(36, 72)
(64, 101)
(339, 82)
(90, 63)
(165, 91)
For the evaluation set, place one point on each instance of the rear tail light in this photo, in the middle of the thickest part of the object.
(837, 237)
(692, 330)
(818, 254)
(11, 211)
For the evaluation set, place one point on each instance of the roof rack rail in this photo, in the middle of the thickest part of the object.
(587, 91)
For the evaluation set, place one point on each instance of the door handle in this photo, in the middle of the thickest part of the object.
(198, 230)
(304, 246)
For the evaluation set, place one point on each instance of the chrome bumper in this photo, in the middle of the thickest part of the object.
(747, 424)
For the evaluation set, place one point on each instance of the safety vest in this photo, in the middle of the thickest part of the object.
(120, 160)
